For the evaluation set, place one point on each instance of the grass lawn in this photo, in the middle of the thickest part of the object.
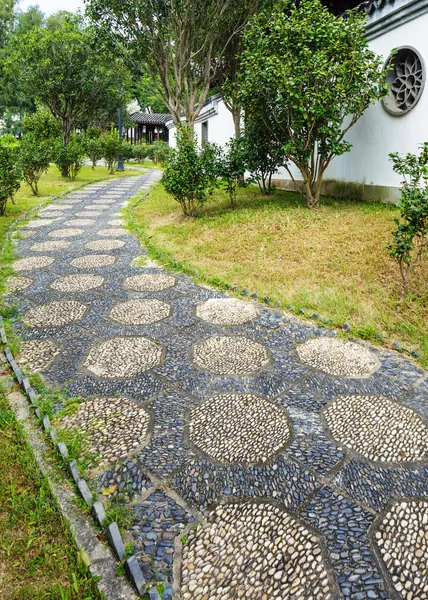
(332, 261)
(38, 558)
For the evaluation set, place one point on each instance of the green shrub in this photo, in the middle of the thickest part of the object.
(110, 147)
(34, 158)
(93, 150)
(10, 171)
(69, 159)
(127, 151)
(159, 152)
(410, 239)
(190, 175)
(141, 152)
(232, 166)
(264, 154)
(41, 125)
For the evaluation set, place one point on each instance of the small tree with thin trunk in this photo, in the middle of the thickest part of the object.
(10, 171)
(34, 158)
(410, 240)
(190, 174)
(308, 76)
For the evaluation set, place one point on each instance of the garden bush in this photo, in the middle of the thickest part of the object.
(70, 158)
(35, 155)
(127, 150)
(41, 125)
(190, 174)
(232, 164)
(159, 152)
(93, 145)
(10, 170)
(111, 148)
(264, 154)
(410, 240)
(141, 152)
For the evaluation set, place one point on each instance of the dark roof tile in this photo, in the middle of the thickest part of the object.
(149, 118)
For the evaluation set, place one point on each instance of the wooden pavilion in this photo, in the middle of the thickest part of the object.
(149, 127)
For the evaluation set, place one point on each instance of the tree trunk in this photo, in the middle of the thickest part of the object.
(65, 140)
(236, 114)
(311, 198)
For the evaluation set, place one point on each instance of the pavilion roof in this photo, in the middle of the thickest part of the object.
(143, 118)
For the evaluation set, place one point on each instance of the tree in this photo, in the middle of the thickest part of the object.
(231, 166)
(7, 16)
(69, 159)
(110, 149)
(93, 146)
(308, 76)
(41, 132)
(190, 174)
(264, 154)
(34, 158)
(228, 64)
(10, 172)
(148, 96)
(410, 239)
(178, 43)
(32, 18)
(59, 68)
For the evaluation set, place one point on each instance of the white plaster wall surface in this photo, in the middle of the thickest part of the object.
(375, 135)
(220, 125)
(378, 133)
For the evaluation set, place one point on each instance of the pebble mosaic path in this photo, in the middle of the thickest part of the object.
(263, 457)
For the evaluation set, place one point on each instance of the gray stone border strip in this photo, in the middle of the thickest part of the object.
(112, 530)
(102, 563)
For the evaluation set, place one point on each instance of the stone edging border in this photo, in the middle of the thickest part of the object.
(215, 282)
(132, 568)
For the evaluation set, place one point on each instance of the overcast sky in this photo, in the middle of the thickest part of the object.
(51, 6)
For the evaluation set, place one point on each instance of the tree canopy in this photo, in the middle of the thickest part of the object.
(177, 43)
(308, 76)
(61, 69)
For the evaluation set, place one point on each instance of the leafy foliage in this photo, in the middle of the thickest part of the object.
(232, 165)
(410, 239)
(190, 174)
(93, 146)
(10, 172)
(110, 149)
(58, 67)
(264, 154)
(36, 150)
(179, 43)
(308, 76)
(69, 159)
(158, 152)
(141, 152)
(41, 124)
(34, 158)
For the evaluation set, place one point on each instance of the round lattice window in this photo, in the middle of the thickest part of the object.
(406, 78)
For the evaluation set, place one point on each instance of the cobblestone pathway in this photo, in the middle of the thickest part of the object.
(303, 457)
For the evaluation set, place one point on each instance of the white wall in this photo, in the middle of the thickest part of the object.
(375, 135)
(378, 133)
(220, 124)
